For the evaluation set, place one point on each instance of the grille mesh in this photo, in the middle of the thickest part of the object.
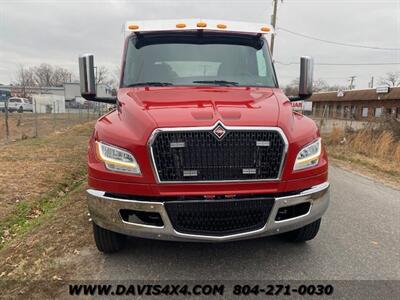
(205, 158)
(219, 217)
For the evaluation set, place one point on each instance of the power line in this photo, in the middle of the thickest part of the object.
(335, 42)
(341, 64)
(359, 64)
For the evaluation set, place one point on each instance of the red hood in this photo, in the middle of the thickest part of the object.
(203, 106)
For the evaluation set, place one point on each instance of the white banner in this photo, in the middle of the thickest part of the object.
(301, 105)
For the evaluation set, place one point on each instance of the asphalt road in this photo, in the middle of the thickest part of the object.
(359, 239)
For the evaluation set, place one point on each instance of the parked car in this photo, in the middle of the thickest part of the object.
(203, 145)
(19, 104)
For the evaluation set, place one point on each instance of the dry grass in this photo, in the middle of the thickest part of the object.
(360, 141)
(39, 169)
(374, 144)
(375, 149)
(44, 229)
(38, 264)
(397, 153)
(384, 145)
(336, 136)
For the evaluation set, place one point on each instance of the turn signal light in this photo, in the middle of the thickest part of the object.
(265, 29)
(202, 24)
(180, 25)
(221, 26)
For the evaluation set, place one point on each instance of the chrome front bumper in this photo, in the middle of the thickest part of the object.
(105, 212)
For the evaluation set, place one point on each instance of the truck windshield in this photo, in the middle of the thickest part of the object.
(197, 58)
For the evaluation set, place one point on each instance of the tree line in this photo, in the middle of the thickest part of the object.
(43, 75)
(46, 75)
(319, 85)
(392, 79)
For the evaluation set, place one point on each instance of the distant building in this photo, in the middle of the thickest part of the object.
(72, 90)
(48, 103)
(361, 105)
(56, 99)
(18, 91)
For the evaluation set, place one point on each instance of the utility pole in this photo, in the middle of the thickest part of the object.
(372, 82)
(273, 23)
(352, 78)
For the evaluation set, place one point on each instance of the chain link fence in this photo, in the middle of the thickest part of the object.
(46, 120)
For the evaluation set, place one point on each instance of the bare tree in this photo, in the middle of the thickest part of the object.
(43, 75)
(116, 77)
(60, 76)
(292, 89)
(392, 79)
(24, 78)
(102, 75)
(319, 85)
(336, 87)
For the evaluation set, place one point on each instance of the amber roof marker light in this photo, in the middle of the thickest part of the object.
(265, 29)
(201, 24)
(133, 27)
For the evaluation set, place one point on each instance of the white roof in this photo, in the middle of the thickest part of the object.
(195, 24)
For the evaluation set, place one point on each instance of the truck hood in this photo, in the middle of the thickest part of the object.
(204, 106)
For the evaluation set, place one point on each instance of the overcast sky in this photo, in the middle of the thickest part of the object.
(56, 32)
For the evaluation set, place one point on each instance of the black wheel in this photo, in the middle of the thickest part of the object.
(305, 233)
(108, 241)
(20, 110)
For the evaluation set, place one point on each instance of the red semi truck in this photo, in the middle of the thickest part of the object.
(203, 145)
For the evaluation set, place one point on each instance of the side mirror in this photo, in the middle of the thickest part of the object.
(88, 80)
(86, 75)
(306, 77)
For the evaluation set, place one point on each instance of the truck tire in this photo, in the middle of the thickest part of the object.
(108, 241)
(305, 233)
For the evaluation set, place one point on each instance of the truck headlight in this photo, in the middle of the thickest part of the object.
(117, 159)
(308, 156)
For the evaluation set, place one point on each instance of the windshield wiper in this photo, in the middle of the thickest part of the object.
(217, 82)
(149, 83)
